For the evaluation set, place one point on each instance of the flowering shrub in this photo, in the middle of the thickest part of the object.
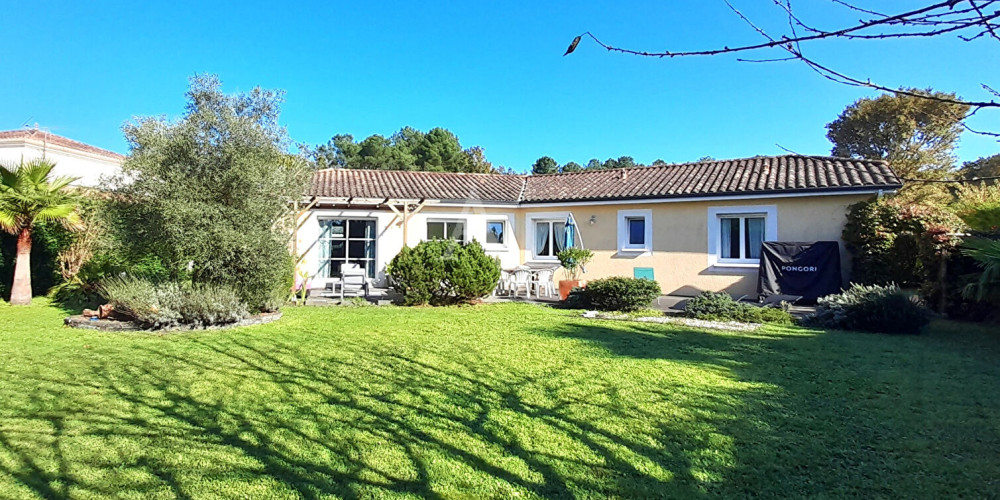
(894, 242)
(912, 245)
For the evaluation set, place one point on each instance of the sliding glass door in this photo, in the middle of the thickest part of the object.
(345, 241)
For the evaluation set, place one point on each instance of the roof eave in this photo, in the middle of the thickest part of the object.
(887, 188)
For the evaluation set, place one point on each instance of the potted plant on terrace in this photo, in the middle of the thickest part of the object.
(573, 260)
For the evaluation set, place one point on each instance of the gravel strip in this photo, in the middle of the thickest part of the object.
(697, 323)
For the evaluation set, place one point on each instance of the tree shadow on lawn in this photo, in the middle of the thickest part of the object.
(367, 423)
(844, 413)
(665, 413)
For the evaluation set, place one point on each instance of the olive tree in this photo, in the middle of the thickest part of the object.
(208, 193)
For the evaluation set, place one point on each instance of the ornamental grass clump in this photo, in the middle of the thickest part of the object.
(871, 308)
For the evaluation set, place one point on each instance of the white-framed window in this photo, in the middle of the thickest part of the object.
(446, 230)
(740, 237)
(550, 238)
(635, 231)
(735, 234)
(496, 232)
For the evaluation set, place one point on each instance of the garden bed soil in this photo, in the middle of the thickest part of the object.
(112, 325)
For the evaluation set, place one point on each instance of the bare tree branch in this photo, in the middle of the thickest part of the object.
(776, 43)
(940, 18)
(859, 9)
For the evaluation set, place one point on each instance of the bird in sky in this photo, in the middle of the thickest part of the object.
(572, 46)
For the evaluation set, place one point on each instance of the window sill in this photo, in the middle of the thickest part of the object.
(495, 248)
(544, 259)
(636, 251)
(742, 267)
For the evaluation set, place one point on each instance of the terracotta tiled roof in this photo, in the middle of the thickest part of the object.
(42, 137)
(347, 183)
(775, 174)
(761, 175)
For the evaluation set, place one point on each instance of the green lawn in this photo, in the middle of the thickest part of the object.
(493, 401)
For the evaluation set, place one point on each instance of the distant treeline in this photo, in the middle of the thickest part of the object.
(409, 149)
(438, 150)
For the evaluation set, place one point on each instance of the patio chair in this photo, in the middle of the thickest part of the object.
(521, 277)
(354, 280)
(543, 281)
(504, 284)
(773, 300)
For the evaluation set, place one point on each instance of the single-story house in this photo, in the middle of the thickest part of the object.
(72, 158)
(693, 226)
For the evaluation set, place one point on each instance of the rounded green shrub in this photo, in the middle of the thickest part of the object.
(720, 306)
(871, 308)
(418, 273)
(577, 299)
(443, 272)
(711, 305)
(470, 273)
(621, 293)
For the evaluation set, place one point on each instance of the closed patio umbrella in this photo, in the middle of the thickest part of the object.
(570, 235)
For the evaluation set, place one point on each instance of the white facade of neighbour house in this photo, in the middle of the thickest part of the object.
(72, 158)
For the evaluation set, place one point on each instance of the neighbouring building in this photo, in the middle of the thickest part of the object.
(693, 227)
(72, 158)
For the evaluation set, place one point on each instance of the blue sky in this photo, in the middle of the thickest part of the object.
(492, 72)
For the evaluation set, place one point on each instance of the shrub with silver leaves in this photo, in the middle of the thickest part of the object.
(169, 304)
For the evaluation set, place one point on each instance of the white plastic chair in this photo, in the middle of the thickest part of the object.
(521, 277)
(543, 281)
(353, 279)
(504, 284)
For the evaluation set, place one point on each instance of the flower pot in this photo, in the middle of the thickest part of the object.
(566, 286)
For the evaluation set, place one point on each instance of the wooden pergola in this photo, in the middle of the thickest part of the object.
(404, 210)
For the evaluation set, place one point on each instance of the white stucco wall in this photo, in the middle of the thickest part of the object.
(390, 234)
(89, 167)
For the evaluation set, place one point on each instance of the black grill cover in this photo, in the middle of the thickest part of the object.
(806, 269)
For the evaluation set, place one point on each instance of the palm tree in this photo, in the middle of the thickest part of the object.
(986, 253)
(29, 196)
